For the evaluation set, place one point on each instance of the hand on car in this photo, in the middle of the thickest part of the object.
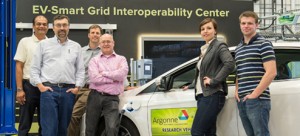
(185, 88)
(130, 87)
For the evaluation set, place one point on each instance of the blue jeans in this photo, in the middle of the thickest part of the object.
(56, 110)
(207, 112)
(98, 105)
(254, 114)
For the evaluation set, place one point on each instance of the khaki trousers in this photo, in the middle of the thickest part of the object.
(78, 111)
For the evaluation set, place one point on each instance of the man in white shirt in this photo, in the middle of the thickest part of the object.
(28, 96)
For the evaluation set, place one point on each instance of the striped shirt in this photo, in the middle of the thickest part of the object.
(107, 73)
(249, 60)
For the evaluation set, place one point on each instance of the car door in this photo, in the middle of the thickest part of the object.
(285, 94)
(172, 112)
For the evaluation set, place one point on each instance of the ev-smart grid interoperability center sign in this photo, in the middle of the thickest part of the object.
(115, 11)
(136, 18)
(141, 8)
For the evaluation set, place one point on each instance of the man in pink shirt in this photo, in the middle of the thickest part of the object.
(107, 72)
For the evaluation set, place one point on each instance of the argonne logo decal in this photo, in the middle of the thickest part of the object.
(183, 115)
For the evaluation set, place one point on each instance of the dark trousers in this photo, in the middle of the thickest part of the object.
(207, 112)
(32, 103)
(106, 105)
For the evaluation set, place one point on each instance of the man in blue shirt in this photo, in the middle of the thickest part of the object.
(256, 68)
(58, 71)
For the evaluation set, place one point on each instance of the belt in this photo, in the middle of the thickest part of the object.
(86, 86)
(103, 93)
(60, 85)
(27, 80)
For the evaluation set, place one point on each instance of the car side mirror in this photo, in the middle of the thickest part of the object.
(161, 83)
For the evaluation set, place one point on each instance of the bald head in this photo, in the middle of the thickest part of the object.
(107, 44)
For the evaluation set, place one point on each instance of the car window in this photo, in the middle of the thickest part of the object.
(183, 77)
(291, 70)
(149, 89)
(176, 79)
(288, 64)
(230, 80)
(287, 61)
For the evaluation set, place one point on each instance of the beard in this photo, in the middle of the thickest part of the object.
(62, 34)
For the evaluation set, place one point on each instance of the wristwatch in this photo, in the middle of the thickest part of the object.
(19, 89)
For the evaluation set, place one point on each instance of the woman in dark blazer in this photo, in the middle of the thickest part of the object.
(215, 64)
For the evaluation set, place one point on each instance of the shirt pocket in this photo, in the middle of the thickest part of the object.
(71, 56)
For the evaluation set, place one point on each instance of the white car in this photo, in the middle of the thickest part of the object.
(168, 110)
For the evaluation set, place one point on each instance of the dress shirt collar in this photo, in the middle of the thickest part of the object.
(107, 56)
(55, 37)
(254, 38)
(89, 48)
(35, 39)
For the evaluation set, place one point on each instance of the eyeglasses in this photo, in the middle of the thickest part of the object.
(41, 24)
(61, 25)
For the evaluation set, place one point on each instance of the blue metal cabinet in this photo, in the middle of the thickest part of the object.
(7, 67)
